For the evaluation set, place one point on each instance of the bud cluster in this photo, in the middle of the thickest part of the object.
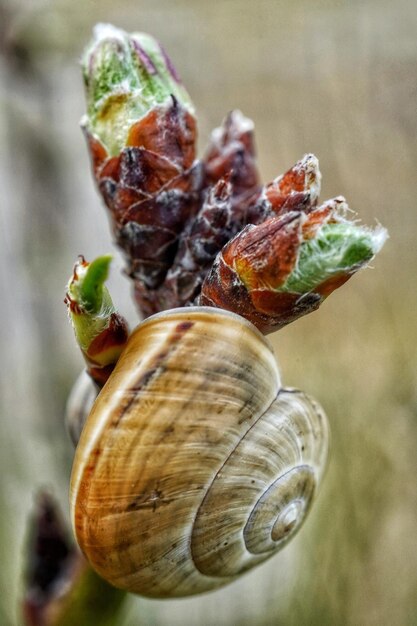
(206, 231)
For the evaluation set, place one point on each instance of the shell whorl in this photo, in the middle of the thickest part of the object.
(194, 464)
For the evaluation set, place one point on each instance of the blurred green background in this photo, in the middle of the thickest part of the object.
(338, 78)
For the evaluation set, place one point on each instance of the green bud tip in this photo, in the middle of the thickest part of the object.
(338, 249)
(86, 289)
(125, 77)
(91, 287)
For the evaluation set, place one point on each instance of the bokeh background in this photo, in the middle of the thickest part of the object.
(338, 78)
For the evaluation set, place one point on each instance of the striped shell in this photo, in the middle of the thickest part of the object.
(195, 464)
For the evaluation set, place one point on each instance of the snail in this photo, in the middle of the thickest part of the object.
(195, 464)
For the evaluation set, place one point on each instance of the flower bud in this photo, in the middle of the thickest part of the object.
(126, 77)
(141, 134)
(285, 267)
(296, 190)
(231, 155)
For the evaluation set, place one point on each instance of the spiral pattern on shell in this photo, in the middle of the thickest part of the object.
(195, 464)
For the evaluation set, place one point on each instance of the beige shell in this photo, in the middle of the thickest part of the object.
(194, 465)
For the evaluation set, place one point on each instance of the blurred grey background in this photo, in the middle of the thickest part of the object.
(338, 78)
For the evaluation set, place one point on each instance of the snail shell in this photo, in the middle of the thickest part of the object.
(194, 464)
